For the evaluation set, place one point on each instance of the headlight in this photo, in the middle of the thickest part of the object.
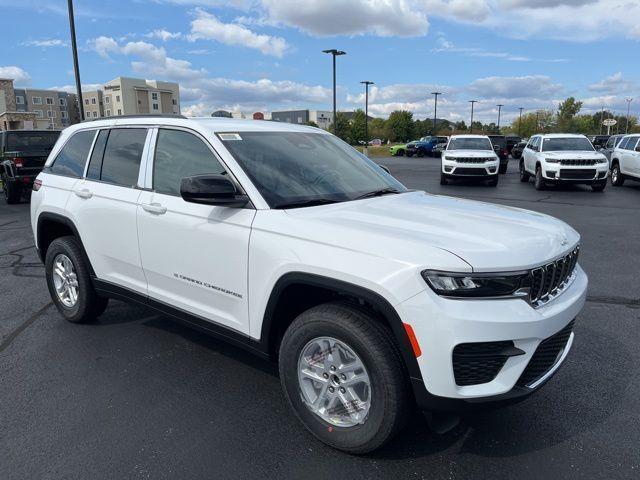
(552, 160)
(449, 284)
(450, 159)
(602, 160)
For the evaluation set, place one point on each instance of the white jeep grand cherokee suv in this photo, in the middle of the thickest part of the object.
(563, 158)
(469, 157)
(625, 160)
(285, 241)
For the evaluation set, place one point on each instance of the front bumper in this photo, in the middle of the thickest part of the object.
(454, 169)
(441, 324)
(566, 174)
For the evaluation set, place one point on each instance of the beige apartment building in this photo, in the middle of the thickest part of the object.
(132, 96)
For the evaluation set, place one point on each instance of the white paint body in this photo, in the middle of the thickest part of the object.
(452, 160)
(628, 158)
(381, 244)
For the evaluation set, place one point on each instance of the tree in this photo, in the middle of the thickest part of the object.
(461, 126)
(357, 126)
(311, 123)
(377, 128)
(400, 127)
(567, 111)
(342, 129)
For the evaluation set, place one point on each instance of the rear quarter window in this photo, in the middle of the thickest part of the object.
(71, 160)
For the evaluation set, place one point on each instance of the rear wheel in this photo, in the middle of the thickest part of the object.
(524, 176)
(539, 181)
(343, 377)
(617, 178)
(12, 191)
(69, 283)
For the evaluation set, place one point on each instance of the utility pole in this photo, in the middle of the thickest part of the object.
(74, 49)
(537, 121)
(435, 111)
(334, 53)
(472, 102)
(520, 122)
(626, 128)
(601, 120)
(499, 111)
(366, 84)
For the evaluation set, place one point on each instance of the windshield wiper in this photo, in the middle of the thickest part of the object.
(306, 203)
(378, 193)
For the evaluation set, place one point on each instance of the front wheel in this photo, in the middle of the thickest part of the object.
(343, 377)
(493, 182)
(539, 180)
(443, 179)
(598, 187)
(503, 168)
(524, 176)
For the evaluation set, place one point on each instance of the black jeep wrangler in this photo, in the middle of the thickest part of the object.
(22, 156)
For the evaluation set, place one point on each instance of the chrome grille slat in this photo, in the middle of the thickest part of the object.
(551, 279)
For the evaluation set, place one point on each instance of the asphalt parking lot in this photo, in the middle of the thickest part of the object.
(137, 396)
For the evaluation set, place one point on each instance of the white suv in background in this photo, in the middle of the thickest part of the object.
(563, 158)
(469, 157)
(625, 160)
(287, 242)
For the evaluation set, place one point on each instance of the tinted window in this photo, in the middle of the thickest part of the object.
(610, 142)
(122, 156)
(73, 156)
(31, 141)
(180, 154)
(567, 144)
(623, 143)
(631, 145)
(95, 163)
(470, 144)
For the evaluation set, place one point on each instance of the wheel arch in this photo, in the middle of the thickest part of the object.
(279, 312)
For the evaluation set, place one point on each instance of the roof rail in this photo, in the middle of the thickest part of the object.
(140, 115)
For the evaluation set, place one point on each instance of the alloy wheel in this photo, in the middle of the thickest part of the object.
(65, 280)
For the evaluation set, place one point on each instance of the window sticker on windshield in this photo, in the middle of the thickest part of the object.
(229, 136)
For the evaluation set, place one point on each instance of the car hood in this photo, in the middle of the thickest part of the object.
(573, 155)
(407, 226)
(471, 153)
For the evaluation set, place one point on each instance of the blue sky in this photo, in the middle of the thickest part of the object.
(252, 55)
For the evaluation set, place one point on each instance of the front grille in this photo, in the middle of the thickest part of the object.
(548, 281)
(545, 356)
(578, 162)
(470, 171)
(581, 173)
(473, 159)
(476, 363)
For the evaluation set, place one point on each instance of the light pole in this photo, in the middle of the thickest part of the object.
(499, 111)
(74, 50)
(366, 84)
(537, 121)
(626, 128)
(472, 102)
(601, 120)
(435, 111)
(520, 122)
(334, 53)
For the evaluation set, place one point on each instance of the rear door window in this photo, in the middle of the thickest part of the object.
(95, 163)
(122, 156)
(623, 143)
(72, 158)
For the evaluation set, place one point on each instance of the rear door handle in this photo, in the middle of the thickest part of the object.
(154, 208)
(84, 193)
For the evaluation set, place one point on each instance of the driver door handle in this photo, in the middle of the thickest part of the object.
(154, 208)
(84, 193)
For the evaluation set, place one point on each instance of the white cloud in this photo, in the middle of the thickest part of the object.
(15, 73)
(104, 46)
(86, 87)
(615, 83)
(163, 34)
(207, 26)
(537, 86)
(46, 43)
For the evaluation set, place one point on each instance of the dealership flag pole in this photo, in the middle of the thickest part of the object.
(74, 49)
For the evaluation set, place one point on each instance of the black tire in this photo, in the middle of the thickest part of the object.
(409, 154)
(493, 182)
(443, 179)
(598, 186)
(420, 153)
(524, 176)
(372, 342)
(12, 191)
(539, 180)
(88, 305)
(617, 178)
(401, 153)
(503, 168)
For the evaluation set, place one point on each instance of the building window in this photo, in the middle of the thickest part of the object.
(107, 99)
(155, 106)
(108, 113)
(154, 96)
(119, 112)
(86, 101)
(19, 100)
(64, 115)
(95, 114)
(93, 101)
(51, 114)
(36, 100)
(118, 98)
(49, 101)
(39, 113)
(174, 101)
(62, 102)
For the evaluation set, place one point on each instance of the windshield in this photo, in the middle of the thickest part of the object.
(31, 141)
(470, 144)
(299, 167)
(566, 144)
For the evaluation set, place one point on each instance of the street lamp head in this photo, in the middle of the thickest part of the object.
(367, 82)
(333, 51)
(436, 93)
(500, 105)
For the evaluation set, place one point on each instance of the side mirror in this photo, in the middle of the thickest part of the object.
(385, 168)
(212, 190)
